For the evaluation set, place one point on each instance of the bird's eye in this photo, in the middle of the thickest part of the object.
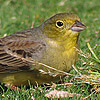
(59, 24)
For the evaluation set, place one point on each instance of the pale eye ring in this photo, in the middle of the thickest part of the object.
(59, 24)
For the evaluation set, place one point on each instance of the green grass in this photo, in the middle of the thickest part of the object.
(17, 15)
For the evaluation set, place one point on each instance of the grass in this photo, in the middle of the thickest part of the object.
(17, 15)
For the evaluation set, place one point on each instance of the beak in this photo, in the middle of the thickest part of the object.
(78, 26)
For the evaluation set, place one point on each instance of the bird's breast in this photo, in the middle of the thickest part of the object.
(58, 57)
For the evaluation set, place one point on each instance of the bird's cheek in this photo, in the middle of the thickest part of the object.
(74, 33)
(67, 33)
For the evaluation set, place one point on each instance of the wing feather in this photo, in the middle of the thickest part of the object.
(13, 49)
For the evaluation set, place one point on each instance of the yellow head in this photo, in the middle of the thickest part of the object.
(62, 26)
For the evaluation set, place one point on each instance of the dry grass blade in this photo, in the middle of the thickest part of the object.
(76, 70)
(98, 90)
(92, 79)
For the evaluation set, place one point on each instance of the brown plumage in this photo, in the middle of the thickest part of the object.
(53, 43)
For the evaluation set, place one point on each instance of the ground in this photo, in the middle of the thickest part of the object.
(17, 15)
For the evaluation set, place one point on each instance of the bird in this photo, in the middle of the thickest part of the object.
(39, 54)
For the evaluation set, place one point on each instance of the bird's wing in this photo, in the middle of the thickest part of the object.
(16, 53)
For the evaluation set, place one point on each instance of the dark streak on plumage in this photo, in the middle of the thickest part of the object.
(20, 46)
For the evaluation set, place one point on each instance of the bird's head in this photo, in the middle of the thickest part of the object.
(62, 25)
